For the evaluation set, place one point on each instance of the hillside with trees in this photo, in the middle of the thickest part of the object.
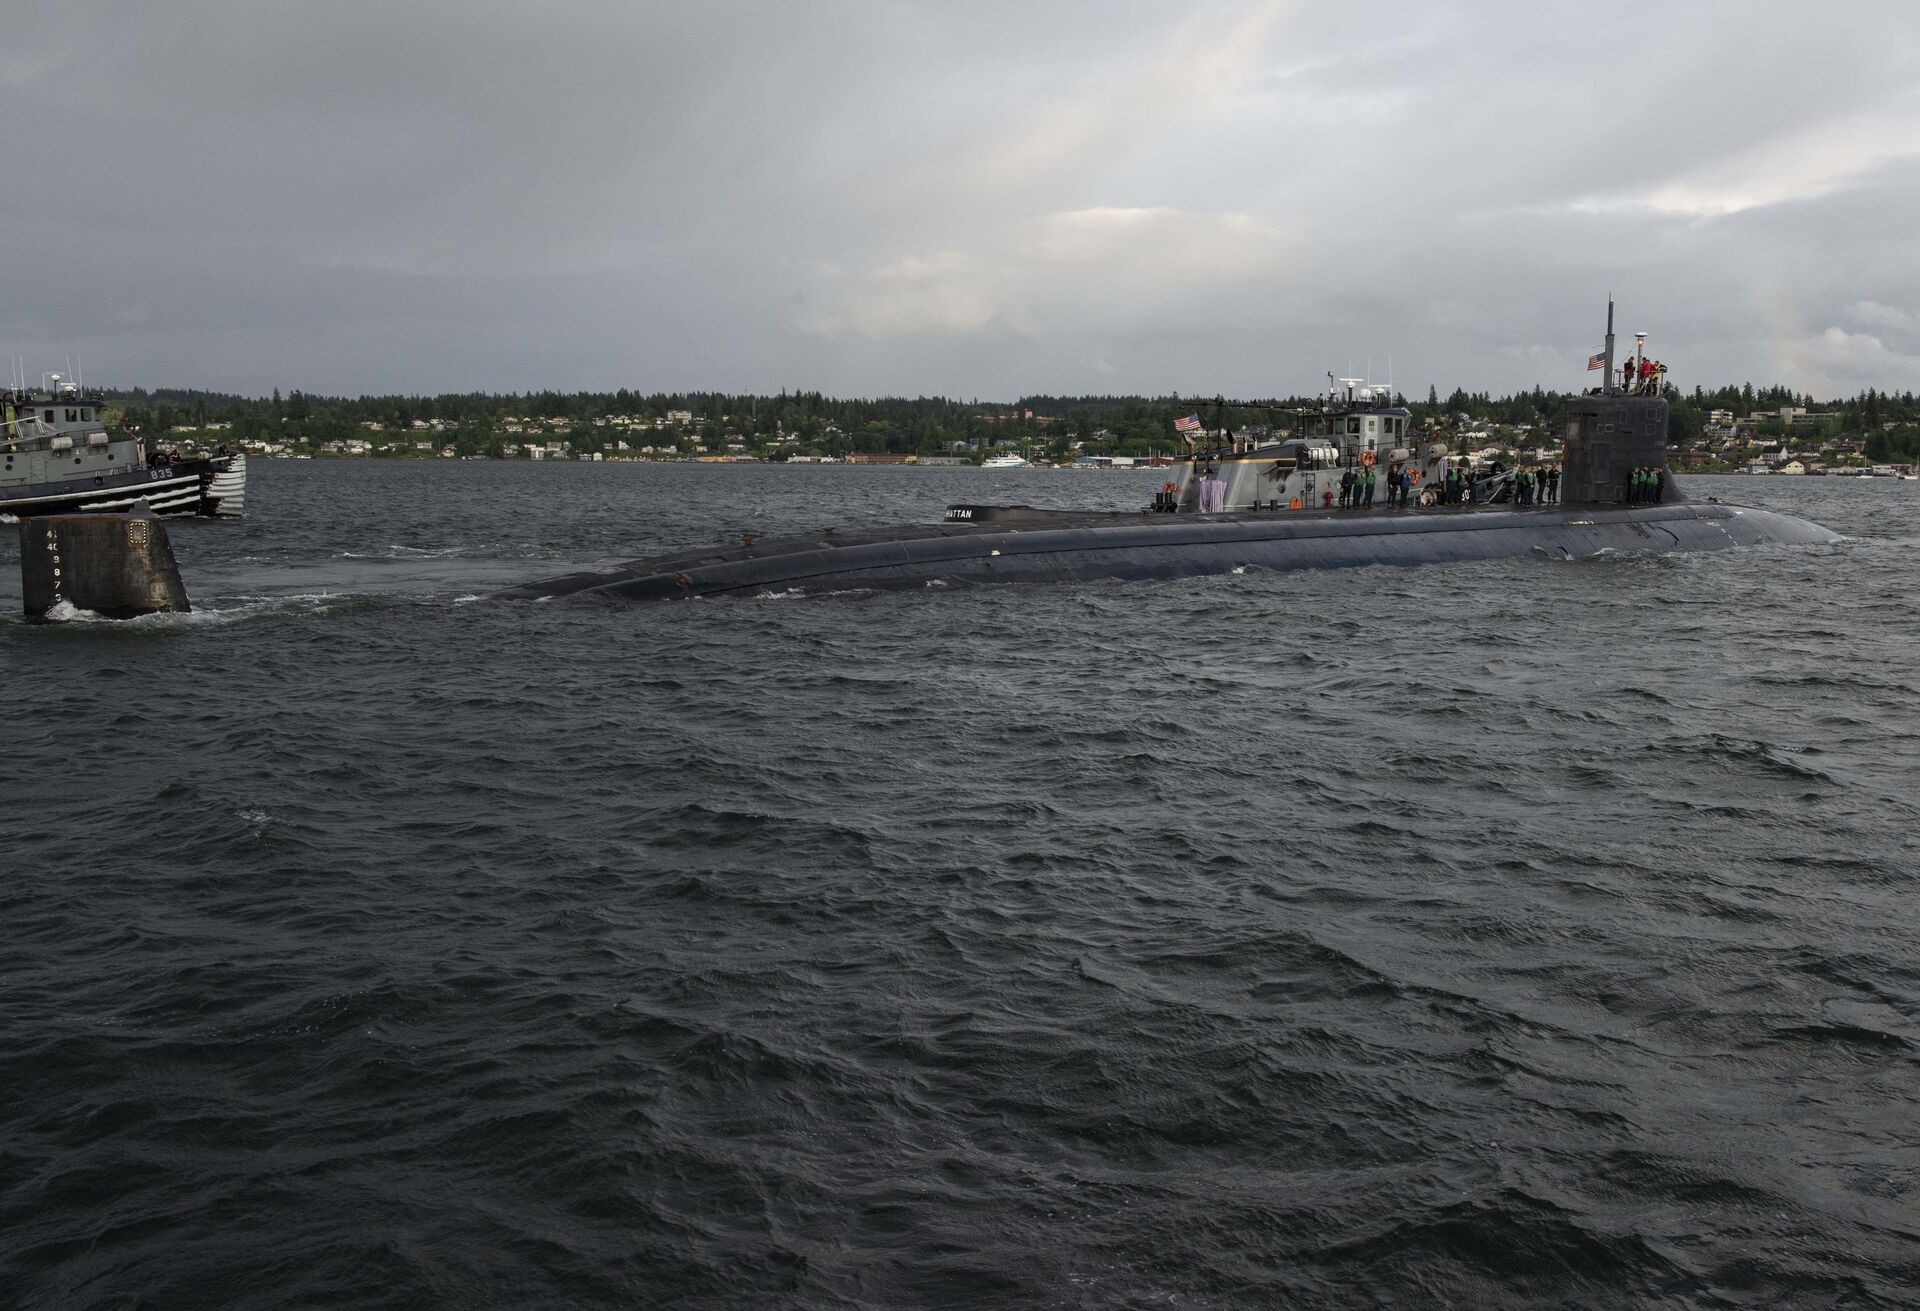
(1885, 425)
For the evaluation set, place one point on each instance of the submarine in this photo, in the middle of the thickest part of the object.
(1268, 505)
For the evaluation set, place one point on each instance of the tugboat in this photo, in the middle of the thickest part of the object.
(1353, 428)
(1266, 507)
(57, 457)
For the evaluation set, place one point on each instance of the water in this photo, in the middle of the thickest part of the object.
(1506, 934)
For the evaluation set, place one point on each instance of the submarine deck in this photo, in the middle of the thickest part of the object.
(1042, 546)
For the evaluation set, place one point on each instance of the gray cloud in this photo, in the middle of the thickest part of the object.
(978, 200)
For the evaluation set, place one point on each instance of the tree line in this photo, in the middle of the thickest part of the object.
(474, 422)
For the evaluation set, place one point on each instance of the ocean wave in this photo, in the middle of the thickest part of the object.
(396, 552)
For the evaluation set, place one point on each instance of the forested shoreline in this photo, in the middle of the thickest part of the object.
(1885, 425)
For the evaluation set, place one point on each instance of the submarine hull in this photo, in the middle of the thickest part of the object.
(1041, 548)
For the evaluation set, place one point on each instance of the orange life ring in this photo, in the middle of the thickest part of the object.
(1366, 458)
(1171, 488)
(1416, 475)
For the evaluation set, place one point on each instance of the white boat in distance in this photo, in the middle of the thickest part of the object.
(1004, 462)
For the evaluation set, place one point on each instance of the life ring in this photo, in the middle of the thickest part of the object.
(1366, 458)
(1417, 475)
(1170, 488)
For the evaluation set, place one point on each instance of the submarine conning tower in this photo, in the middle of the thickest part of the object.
(1613, 431)
(1608, 437)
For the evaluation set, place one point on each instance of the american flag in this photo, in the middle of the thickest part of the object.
(1596, 361)
(1190, 424)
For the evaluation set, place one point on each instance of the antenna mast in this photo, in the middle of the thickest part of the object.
(1607, 383)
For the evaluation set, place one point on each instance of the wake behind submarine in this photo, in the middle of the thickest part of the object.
(1271, 506)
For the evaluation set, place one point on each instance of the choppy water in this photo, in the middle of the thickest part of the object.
(1506, 934)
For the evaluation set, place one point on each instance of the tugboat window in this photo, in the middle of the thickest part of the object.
(72, 415)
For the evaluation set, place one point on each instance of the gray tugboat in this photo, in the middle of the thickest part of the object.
(1260, 506)
(57, 457)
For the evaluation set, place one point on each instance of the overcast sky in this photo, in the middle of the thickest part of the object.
(971, 198)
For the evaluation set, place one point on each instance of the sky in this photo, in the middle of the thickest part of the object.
(980, 199)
